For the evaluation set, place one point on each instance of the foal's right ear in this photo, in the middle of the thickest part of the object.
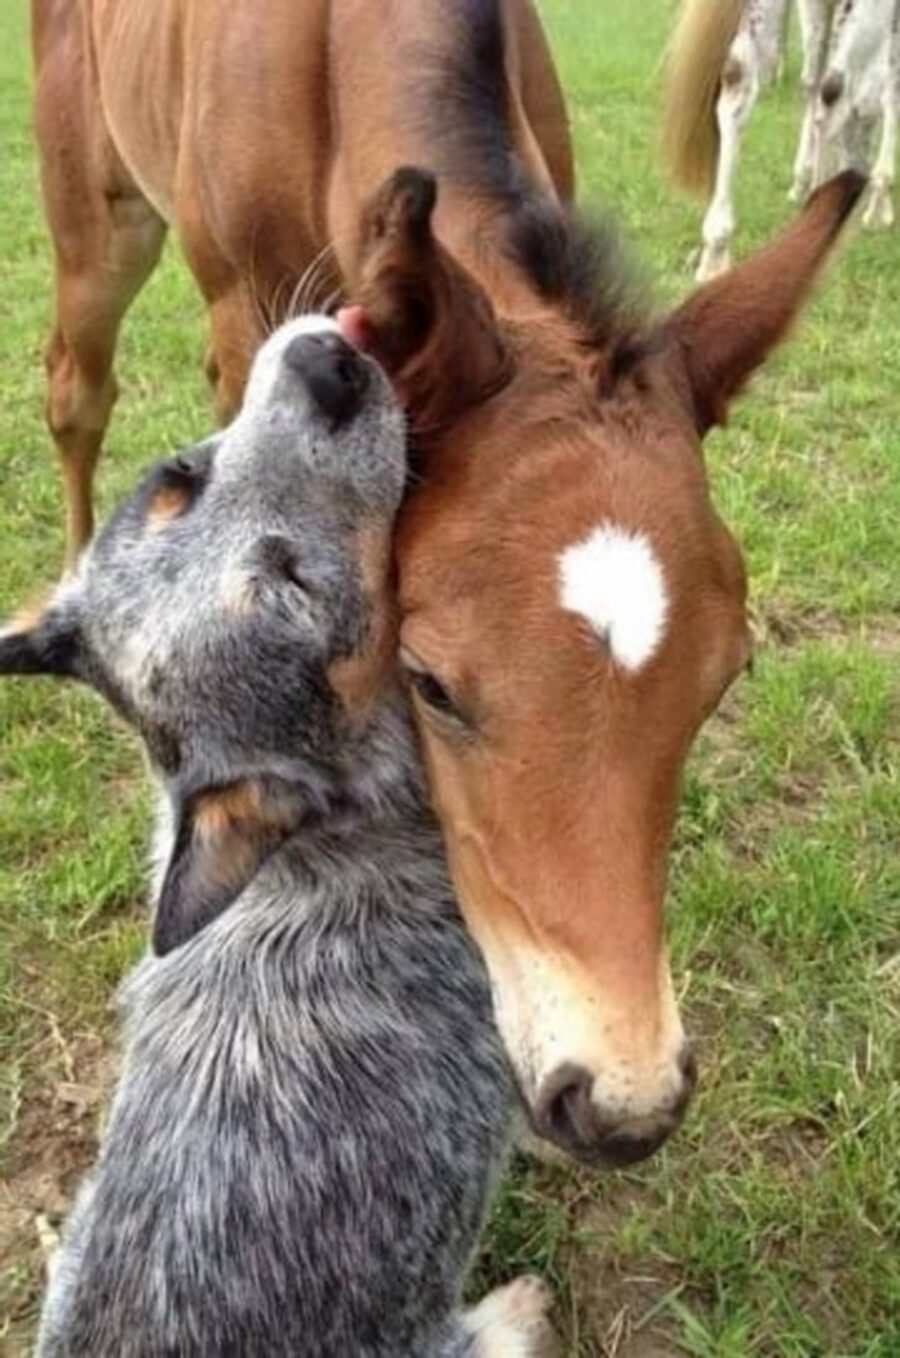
(418, 312)
(43, 640)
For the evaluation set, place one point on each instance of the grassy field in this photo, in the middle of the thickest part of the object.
(771, 1226)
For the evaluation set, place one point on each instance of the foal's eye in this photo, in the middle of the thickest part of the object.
(432, 692)
(429, 689)
(278, 558)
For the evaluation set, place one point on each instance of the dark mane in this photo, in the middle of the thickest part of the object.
(580, 263)
(574, 261)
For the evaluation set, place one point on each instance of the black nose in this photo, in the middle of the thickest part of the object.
(336, 376)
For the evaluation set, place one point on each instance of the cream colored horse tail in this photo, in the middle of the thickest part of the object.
(696, 54)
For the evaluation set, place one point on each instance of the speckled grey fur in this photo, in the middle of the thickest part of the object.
(312, 1111)
(314, 1102)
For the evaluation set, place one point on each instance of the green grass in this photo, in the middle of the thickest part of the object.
(771, 1226)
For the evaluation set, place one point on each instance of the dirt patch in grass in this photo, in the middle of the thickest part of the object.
(798, 801)
(53, 1142)
(799, 1144)
(785, 626)
(571, 1226)
(617, 1303)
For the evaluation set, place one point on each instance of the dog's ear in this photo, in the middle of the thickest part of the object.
(223, 837)
(44, 639)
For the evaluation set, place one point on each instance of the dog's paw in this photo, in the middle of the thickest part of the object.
(511, 1321)
(48, 1238)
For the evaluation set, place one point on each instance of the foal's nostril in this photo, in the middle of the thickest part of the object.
(564, 1111)
(336, 376)
(687, 1064)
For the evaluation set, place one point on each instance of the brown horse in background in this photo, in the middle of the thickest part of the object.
(572, 607)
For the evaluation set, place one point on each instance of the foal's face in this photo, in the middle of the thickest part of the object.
(236, 611)
(572, 609)
(569, 617)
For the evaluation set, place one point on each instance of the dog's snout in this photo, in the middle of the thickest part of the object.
(566, 1112)
(335, 374)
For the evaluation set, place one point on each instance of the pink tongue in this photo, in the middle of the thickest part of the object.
(354, 326)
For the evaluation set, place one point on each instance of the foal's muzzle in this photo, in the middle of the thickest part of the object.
(336, 375)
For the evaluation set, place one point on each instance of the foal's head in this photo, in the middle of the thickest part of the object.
(572, 610)
(236, 610)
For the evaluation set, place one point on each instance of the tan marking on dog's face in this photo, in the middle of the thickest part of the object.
(168, 503)
(357, 680)
(28, 617)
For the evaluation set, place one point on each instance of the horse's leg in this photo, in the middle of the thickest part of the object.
(739, 91)
(783, 41)
(813, 15)
(237, 329)
(543, 103)
(238, 305)
(96, 280)
(856, 139)
(880, 208)
(106, 241)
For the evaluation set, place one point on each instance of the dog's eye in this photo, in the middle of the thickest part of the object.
(176, 487)
(291, 572)
(277, 557)
(174, 490)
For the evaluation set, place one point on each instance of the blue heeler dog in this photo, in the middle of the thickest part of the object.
(314, 1103)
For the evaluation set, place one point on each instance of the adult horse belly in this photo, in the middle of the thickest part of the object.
(139, 50)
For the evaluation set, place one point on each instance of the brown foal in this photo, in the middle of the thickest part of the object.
(572, 607)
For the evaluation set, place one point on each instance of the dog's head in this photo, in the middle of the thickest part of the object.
(236, 610)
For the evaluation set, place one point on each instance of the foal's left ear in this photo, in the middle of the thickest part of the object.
(726, 329)
(224, 835)
(44, 640)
